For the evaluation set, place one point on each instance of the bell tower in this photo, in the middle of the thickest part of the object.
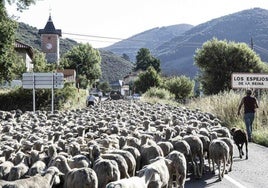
(50, 44)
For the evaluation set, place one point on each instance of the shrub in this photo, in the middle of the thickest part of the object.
(22, 99)
(159, 93)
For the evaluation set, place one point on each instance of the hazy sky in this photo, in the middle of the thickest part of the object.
(124, 18)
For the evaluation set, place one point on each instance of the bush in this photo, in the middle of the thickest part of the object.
(22, 99)
(159, 93)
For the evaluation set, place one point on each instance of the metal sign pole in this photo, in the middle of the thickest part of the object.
(33, 93)
(52, 94)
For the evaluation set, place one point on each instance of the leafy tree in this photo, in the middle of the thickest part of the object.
(217, 60)
(9, 63)
(182, 87)
(7, 40)
(21, 4)
(40, 63)
(144, 59)
(104, 86)
(147, 79)
(86, 61)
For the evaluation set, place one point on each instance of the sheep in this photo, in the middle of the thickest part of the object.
(230, 144)
(79, 161)
(49, 178)
(149, 152)
(181, 146)
(160, 168)
(132, 182)
(121, 162)
(179, 168)
(166, 147)
(240, 138)
(17, 172)
(218, 152)
(131, 162)
(37, 168)
(106, 170)
(137, 155)
(82, 178)
(196, 146)
(5, 168)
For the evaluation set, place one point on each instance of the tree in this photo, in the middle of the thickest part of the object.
(86, 61)
(144, 59)
(182, 87)
(147, 79)
(217, 60)
(10, 65)
(21, 4)
(40, 63)
(104, 86)
(7, 40)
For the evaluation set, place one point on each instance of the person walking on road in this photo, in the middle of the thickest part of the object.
(91, 100)
(100, 95)
(250, 104)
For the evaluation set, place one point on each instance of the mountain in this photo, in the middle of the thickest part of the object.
(113, 66)
(177, 54)
(150, 39)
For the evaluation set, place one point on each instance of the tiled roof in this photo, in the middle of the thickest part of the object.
(20, 45)
(50, 28)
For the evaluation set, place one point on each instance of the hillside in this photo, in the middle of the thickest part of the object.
(150, 39)
(177, 54)
(113, 66)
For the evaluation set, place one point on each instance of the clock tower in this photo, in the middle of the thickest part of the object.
(50, 44)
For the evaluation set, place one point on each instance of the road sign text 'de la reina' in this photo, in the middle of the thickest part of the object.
(250, 80)
(42, 80)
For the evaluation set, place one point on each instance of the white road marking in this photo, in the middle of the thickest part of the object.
(234, 181)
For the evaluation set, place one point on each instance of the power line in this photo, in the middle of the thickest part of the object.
(88, 37)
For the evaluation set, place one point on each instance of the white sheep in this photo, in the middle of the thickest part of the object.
(196, 146)
(106, 171)
(132, 182)
(131, 162)
(18, 171)
(82, 178)
(159, 167)
(178, 167)
(47, 180)
(121, 162)
(37, 168)
(218, 152)
(5, 168)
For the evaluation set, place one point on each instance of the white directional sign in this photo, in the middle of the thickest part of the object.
(250, 80)
(42, 80)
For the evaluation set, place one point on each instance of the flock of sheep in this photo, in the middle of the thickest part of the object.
(115, 144)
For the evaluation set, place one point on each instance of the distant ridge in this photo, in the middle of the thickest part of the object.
(177, 54)
(150, 39)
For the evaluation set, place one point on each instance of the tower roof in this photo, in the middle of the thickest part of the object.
(50, 28)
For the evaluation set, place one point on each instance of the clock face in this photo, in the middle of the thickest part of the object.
(49, 46)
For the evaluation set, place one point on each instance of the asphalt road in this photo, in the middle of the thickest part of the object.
(251, 173)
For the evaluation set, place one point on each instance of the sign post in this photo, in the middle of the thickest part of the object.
(34, 81)
(250, 80)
